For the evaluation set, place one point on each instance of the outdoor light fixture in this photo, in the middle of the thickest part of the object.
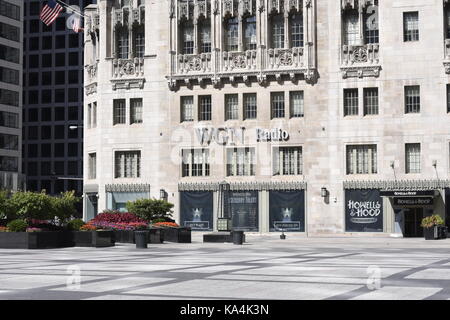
(324, 192)
(392, 164)
(162, 194)
(435, 163)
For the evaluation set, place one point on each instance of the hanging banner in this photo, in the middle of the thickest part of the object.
(196, 210)
(244, 210)
(287, 211)
(363, 211)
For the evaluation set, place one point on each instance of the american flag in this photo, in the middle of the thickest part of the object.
(50, 12)
(76, 24)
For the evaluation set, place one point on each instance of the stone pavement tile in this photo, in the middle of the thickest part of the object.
(140, 297)
(280, 261)
(431, 274)
(115, 284)
(59, 272)
(114, 267)
(398, 293)
(292, 279)
(35, 281)
(229, 289)
(319, 271)
(213, 269)
(393, 262)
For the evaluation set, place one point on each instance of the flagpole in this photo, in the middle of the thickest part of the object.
(65, 5)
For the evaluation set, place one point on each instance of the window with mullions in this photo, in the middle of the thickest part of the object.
(232, 34)
(277, 28)
(411, 26)
(277, 103)
(139, 43)
(296, 104)
(123, 43)
(447, 21)
(351, 27)
(412, 99)
(188, 38)
(351, 102)
(187, 108)
(92, 173)
(448, 98)
(371, 31)
(231, 107)
(250, 106)
(297, 33)
(195, 163)
(204, 108)
(287, 161)
(250, 33)
(127, 164)
(412, 154)
(119, 112)
(361, 159)
(370, 101)
(241, 162)
(135, 110)
(205, 36)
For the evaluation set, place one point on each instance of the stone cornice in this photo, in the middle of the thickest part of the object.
(132, 187)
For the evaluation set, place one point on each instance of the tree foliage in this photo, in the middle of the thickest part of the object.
(150, 209)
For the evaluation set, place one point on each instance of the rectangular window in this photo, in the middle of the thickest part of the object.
(277, 103)
(188, 38)
(231, 107)
(351, 28)
(204, 108)
(9, 53)
(10, 10)
(139, 44)
(241, 162)
(9, 119)
(351, 102)
(277, 31)
(287, 161)
(9, 141)
(123, 44)
(411, 26)
(195, 163)
(92, 174)
(10, 32)
(135, 110)
(297, 30)
(296, 104)
(448, 98)
(232, 34)
(361, 159)
(8, 97)
(250, 33)
(371, 31)
(250, 106)
(94, 115)
(119, 112)
(205, 37)
(412, 99)
(370, 101)
(127, 164)
(187, 108)
(9, 163)
(412, 154)
(89, 115)
(447, 21)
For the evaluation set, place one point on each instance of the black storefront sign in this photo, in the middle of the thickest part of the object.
(413, 201)
(243, 207)
(429, 193)
(287, 210)
(197, 210)
(363, 211)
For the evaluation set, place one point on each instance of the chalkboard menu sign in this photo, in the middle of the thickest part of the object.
(287, 210)
(363, 211)
(196, 210)
(244, 210)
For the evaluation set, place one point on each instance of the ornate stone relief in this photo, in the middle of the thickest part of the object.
(398, 185)
(242, 186)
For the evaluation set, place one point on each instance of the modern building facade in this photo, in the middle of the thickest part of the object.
(53, 101)
(11, 26)
(321, 117)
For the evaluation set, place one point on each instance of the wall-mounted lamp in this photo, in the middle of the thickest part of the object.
(323, 192)
(163, 194)
(435, 163)
(392, 164)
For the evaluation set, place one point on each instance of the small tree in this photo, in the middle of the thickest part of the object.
(150, 209)
(5, 205)
(63, 207)
(31, 205)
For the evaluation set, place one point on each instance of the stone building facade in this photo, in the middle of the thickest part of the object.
(320, 117)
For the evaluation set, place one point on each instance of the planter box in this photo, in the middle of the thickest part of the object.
(431, 233)
(36, 240)
(95, 239)
(123, 236)
(156, 235)
(219, 237)
(180, 235)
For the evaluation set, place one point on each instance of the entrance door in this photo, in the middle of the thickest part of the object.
(413, 219)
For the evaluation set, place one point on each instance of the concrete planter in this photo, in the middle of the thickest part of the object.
(156, 235)
(124, 236)
(95, 239)
(180, 235)
(35, 240)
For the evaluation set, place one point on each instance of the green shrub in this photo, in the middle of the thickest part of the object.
(158, 220)
(17, 225)
(75, 225)
(63, 207)
(150, 209)
(31, 205)
(431, 221)
(5, 206)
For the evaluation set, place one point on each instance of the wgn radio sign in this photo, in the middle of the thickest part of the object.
(364, 211)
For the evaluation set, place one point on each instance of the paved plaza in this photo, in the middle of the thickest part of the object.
(263, 268)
